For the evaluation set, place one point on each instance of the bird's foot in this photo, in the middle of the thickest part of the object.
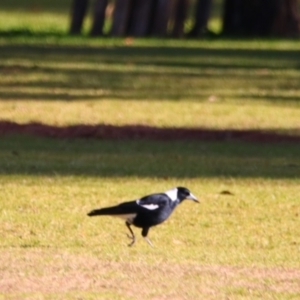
(132, 237)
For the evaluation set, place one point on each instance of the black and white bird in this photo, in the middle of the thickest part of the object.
(147, 211)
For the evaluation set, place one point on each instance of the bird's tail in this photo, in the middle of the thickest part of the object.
(104, 211)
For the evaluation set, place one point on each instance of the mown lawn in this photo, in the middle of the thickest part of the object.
(241, 242)
(181, 84)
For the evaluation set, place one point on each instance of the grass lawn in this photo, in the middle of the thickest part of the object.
(178, 83)
(241, 242)
(241, 245)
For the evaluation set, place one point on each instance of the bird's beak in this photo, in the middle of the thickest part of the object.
(192, 197)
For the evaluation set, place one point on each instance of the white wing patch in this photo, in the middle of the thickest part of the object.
(172, 194)
(150, 206)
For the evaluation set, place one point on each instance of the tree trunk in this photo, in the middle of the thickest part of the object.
(79, 9)
(121, 17)
(139, 23)
(287, 21)
(203, 10)
(99, 17)
(232, 17)
(180, 13)
(160, 17)
(258, 17)
(261, 17)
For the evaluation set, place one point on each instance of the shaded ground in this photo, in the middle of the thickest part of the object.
(49, 271)
(103, 131)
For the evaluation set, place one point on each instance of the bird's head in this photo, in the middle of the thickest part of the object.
(184, 193)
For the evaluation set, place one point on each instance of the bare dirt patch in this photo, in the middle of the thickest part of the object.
(103, 131)
(55, 272)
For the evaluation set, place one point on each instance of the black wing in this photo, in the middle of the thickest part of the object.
(153, 201)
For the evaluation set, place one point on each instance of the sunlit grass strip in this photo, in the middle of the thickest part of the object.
(34, 22)
(258, 224)
(63, 111)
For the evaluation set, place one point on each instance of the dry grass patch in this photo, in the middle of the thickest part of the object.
(58, 274)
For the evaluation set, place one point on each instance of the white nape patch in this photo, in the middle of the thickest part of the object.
(148, 206)
(172, 194)
(127, 217)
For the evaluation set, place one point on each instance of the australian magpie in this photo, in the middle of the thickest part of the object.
(147, 211)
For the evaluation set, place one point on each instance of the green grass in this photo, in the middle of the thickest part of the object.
(150, 159)
(217, 84)
(237, 245)
(240, 246)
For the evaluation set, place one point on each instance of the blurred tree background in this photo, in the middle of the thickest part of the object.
(168, 17)
(172, 18)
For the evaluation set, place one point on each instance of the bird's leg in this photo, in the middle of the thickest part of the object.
(132, 237)
(144, 234)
